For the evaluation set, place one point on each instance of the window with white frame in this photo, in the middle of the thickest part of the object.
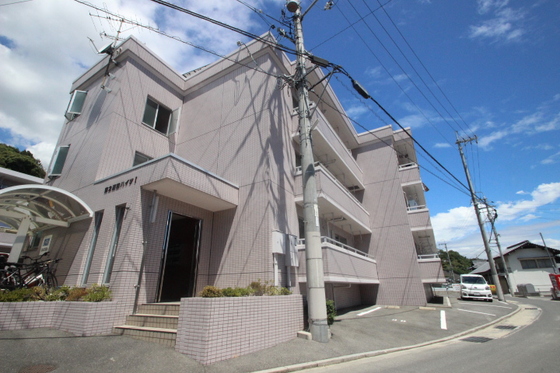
(76, 104)
(59, 158)
(159, 117)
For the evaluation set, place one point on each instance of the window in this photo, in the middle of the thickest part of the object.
(140, 158)
(59, 158)
(76, 104)
(97, 221)
(119, 217)
(160, 118)
(535, 263)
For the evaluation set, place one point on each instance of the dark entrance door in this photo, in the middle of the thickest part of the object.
(180, 258)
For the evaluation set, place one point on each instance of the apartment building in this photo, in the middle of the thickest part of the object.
(193, 180)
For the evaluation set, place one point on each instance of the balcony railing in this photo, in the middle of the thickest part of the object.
(431, 271)
(325, 239)
(341, 263)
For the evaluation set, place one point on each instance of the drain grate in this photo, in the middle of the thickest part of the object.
(531, 308)
(41, 368)
(509, 327)
(477, 339)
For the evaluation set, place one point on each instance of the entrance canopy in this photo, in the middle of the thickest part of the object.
(45, 206)
(33, 207)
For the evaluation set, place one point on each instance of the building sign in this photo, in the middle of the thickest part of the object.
(119, 186)
(46, 245)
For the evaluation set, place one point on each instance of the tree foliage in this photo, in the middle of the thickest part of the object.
(20, 161)
(460, 263)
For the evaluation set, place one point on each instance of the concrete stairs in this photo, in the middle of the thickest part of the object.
(153, 322)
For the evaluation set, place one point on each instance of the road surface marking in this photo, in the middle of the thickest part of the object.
(443, 320)
(482, 313)
(366, 312)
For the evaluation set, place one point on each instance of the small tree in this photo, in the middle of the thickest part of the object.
(20, 161)
(460, 264)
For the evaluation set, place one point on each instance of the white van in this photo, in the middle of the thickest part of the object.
(475, 287)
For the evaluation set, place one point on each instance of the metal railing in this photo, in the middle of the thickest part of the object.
(428, 256)
(325, 239)
(323, 168)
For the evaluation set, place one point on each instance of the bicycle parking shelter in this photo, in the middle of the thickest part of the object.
(34, 208)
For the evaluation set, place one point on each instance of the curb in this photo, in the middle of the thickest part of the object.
(361, 355)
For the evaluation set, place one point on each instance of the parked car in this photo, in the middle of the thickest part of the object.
(475, 287)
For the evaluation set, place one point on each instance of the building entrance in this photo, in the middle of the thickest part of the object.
(180, 258)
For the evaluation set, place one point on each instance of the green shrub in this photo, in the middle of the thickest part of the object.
(97, 293)
(17, 295)
(211, 292)
(76, 293)
(331, 311)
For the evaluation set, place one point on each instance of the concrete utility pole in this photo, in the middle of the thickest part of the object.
(492, 219)
(554, 266)
(495, 277)
(316, 299)
(449, 259)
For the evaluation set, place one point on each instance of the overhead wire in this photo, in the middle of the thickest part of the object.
(163, 33)
(413, 68)
(226, 26)
(425, 68)
(428, 120)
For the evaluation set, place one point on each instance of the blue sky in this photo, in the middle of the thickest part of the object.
(487, 68)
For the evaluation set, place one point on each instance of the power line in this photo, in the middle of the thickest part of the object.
(425, 68)
(390, 145)
(226, 26)
(163, 33)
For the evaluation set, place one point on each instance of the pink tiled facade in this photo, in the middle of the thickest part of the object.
(230, 170)
(215, 329)
(79, 318)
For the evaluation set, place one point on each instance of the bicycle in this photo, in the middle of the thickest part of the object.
(37, 273)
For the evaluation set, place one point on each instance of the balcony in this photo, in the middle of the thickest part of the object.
(335, 202)
(341, 263)
(332, 152)
(431, 271)
(409, 173)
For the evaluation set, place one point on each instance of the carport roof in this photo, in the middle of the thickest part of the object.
(45, 206)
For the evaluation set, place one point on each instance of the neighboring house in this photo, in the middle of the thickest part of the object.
(10, 178)
(194, 180)
(527, 263)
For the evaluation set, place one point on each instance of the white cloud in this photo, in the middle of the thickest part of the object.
(442, 145)
(554, 158)
(44, 47)
(543, 195)
(505, 26)
(546, 118)
(517, 221)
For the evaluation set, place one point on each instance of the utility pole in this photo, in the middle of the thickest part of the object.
(495, 277)
(554, 266)
(449, 259)
(492, 218)
(316, 299)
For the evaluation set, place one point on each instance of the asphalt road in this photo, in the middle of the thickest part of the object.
(527, 342)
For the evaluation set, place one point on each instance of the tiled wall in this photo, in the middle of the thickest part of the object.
(215, 329)
(83, 319)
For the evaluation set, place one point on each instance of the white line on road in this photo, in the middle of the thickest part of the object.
(443, 320)
(485, 305)
(482, 313)
(366, 312)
